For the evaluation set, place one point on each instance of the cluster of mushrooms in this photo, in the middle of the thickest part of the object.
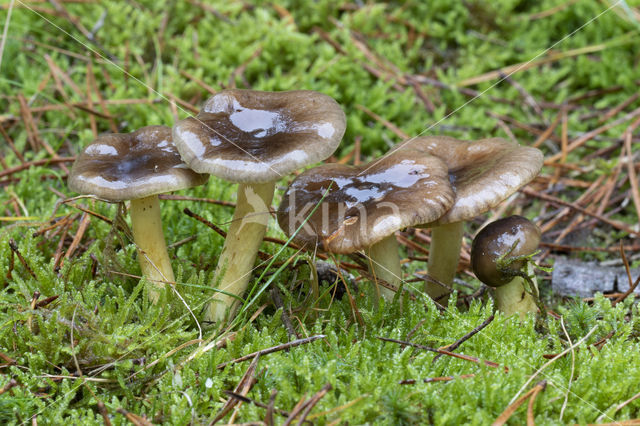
(256, 138)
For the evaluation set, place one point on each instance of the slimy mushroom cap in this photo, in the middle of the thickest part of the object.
(127, 166)
(359, 206)
(511, 237)
(483, 173)
(249, 136)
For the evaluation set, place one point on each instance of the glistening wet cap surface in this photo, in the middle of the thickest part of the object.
(126, 166)
(483, 173)
(251, 136)
(359, 206)
(512, 236)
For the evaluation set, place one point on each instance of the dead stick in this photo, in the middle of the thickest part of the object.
(243, 386)
(554, 200)
(457, 343)
(84, 223)
(536, 390)
(401, 134)
(313, 401)
(104, 413)
(277, 301)
(6, 136)
(632, 285)
(16, 251)
(564, 247)
(436, 379)
(256, 403)
(273, 349)
(134, 418)
(445, 352)
(42, 162)
(268, 417)
(593, 133)
(633, 179)
(10, 385)
(58, 253)
(45, 302)
(614, 111)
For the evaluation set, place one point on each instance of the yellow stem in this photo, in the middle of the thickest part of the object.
(238, 256)
(152, 248)
(385, 262)
(444, 255)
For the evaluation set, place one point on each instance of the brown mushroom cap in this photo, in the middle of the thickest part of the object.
(248, 136)
(483, 173)
(362, 205)
(497, 239)
(127, 166)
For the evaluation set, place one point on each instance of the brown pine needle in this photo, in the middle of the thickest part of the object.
(248, 400)
(134, 418)
(632, 284)
(552, 56)
(619, 407)
(633, 177)
(632, 422)
(436, 379)
(453, 346)
(337, 409)
(14, 248)
(593, 133)
(553, 200)
(272, 349)
(389, 125)
(445, 352)
(303, 407)
(551, 361)
(536, 390)
(508, 412)
(10, 385)
(242, 388)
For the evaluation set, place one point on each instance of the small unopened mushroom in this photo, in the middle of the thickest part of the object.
(483, 173)
(254, 138)
(343, 209)
(137, 166)
(500, 259)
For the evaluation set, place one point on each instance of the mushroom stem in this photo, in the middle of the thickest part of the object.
(444, 255)
(512, 297)
(238, 256)
(384, 263)
(152, 248)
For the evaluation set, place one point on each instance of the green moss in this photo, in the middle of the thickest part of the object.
(117, 334)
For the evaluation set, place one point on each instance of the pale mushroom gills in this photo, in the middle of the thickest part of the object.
(254, 138)
(361, 207)
(483, 173)
(137, 166)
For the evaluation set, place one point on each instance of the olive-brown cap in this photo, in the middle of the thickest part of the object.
(359, 206)
(483, 172)
(511, 237)
(127, 166)
(249, 136)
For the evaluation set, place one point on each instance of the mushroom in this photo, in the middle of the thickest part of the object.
(254, 138)
(500, 258)
(483, 173)
(137, 166)
(361, 207)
